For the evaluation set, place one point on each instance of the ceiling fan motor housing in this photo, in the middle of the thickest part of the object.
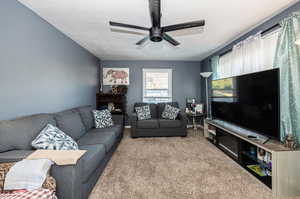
(156, 34)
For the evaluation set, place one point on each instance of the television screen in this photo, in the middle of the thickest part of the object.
(250, 101)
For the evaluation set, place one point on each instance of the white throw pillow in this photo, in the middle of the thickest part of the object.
(143, 112)
(27, 174)
(103, 119)
(52, 138)
(170, 112)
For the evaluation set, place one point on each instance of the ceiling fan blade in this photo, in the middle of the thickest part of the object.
(170, 39)
(155, 12)
(184, 26)
(142, 41)
(127, 26)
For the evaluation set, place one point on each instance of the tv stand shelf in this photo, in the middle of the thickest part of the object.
(278, 168)
(270, 145)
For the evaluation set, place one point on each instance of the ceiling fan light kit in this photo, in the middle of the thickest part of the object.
(156, 32)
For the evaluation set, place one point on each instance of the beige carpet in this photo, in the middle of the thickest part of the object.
(177, 168)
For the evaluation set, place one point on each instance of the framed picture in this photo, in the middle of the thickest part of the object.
(115, 76)
(199, 108)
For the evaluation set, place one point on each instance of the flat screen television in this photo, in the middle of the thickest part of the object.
(250, 101)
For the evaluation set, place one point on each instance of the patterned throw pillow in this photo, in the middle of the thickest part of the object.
(103, 119)
(170, 112)
(52, 138)
(143, 112)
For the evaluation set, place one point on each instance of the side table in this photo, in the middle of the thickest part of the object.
(193, 117)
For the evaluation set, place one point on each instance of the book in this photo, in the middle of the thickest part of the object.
(257, 169)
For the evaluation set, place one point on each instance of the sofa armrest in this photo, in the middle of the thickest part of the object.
(118, 119)
(133, 120)
(184, 119)
(133, 123)
(68, 180)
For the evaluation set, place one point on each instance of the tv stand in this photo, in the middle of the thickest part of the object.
(270, 162)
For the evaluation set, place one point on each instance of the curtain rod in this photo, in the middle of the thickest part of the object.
(271, 29)
(266, 31)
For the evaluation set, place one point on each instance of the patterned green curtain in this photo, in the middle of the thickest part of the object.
(287, 58)
(214, 67)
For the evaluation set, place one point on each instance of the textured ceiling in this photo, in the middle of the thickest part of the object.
(86, 22)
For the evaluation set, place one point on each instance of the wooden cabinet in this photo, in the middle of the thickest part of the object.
(119, 101)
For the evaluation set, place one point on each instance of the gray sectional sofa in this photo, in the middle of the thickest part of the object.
(157, 126)
(73, 181)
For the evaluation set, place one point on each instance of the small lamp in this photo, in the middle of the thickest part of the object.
(206, 75)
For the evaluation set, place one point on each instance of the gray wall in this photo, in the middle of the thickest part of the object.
(205, 64)
(186, 79)
(41, 69)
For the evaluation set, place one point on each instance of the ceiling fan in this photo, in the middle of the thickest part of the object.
(156, 32)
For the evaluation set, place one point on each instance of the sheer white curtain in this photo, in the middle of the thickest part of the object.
(254, 54)
(250, 53)
(269, 48)
(225, 66)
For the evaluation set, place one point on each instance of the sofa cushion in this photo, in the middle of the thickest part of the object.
(143, 112)
(91, 138)
(14, 156)
(19, 133)
(52, 138)
(169, 123)
(103, 119)
(91, 160)
(153, 108)
(148, 124)
(116, 130)
(161, 107)
(87, 116)
(70, 122)
(5, 147)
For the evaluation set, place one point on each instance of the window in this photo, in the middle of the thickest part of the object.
(224, 90)
(157, 85)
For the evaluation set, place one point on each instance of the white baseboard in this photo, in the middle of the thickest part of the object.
(187, 126)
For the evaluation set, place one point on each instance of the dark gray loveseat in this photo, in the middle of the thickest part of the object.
(157, 126)
(73, 181)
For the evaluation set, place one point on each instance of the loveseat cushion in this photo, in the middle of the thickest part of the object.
(91, 138)
(19, 133)
(163, 123)
(87, 116)
(148, 124)
(91, 159)
(70, 123)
